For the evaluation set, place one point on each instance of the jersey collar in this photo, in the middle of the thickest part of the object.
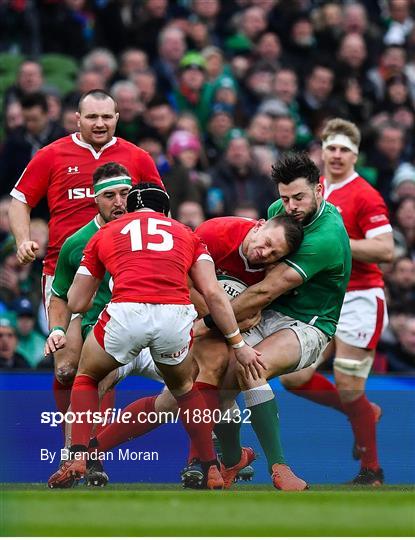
(89, 147)
(246, 263)
(329, 188)
(98, 226)
(318, 214)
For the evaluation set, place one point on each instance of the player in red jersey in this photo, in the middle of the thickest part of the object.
(363, 315)
(63, 172)
(149, 257)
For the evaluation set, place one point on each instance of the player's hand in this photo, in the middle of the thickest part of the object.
(26, 252)
(250, 360)
(55, 341)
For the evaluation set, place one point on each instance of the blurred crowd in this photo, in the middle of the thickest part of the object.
(215, 91)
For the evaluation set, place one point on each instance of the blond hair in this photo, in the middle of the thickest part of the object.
(338, 126)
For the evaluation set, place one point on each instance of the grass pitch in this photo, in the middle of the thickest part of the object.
(168, 510)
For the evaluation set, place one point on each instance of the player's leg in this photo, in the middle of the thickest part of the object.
(351, 369)
(94, 365)
(312, 385)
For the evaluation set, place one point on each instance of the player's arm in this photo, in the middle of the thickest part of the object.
(204, 279)
(379, 249)
(82, 291)
(19, 216)
(59, 319)
(281, 279)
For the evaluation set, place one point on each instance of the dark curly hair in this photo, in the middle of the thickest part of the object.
(294, 165)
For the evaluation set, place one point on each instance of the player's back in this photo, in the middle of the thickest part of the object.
(149, 256)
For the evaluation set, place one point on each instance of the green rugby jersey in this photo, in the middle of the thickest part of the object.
(69, 259)
(324, 262)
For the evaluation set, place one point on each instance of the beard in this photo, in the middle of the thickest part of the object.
(309, 216)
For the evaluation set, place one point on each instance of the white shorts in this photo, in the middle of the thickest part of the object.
(142, 365)
(47, 293)
(123, 329)
(363, 318)
(312, 340)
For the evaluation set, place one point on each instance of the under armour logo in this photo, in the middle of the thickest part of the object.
(72, 170)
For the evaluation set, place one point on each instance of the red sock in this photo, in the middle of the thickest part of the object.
(107, 402)
(320, 390)
(211, 396)
(362, 418)
(117, 433)
(62, 394)
(84, 398)
(191, 405)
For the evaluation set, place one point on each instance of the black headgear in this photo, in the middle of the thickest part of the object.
(148, 196)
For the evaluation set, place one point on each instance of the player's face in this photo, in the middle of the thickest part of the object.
(112, 204)
(338, 161)
(300, 199)
(267, 245)
(97, 121)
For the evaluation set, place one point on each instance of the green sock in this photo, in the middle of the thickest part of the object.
(266, 424)
(230, 442)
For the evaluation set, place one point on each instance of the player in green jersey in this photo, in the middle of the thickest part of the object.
(300, 300)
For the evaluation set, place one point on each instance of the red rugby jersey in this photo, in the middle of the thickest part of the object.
(365, 215)
(223, 237)
(63, 171)
(148, 256)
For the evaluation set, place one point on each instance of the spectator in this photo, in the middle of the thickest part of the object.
(268, 48)
(404, 226)
(9, 357)
(401, 283)
(193, 93)
(88, 79)
(236, 179)
(284, 133)
(69, 120)
(386, 155)
(403, 182)
(146, 84)
(171, 49)
(260, 130)
(317, 93)
(220, 123)
(22, 144)
(391, 63)
(302, 45)
(160, 117)
(401, 357)
(30, 342)
(131, 61)
(184, 148)
(102, 61)
(400, 22)
(246, 210)
(13, 115)
(190, 213)
(29, 79)
(130, 107)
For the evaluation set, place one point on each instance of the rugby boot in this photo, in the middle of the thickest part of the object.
(214, 479)
(192, 475)
(229, 474)
(68, 474)
(369, 477)
(95, 475)
(285, 480)
(357, 452)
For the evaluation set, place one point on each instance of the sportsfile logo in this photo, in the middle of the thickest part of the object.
(73, 170)
(80, 193)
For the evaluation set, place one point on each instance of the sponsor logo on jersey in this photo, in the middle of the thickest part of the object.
(73, 170)
(176, 354)
(376, 219)
(80, 193)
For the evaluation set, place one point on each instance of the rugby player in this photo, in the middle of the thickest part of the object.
(302, 298)
(148, 255)
(62, 172)
(364, 315)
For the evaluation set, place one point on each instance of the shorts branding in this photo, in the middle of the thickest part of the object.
(80, 193)
(176, 354)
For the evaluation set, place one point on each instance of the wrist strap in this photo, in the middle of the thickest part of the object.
(233, 334)
(208, 320)
(60, 329)
(238, 345)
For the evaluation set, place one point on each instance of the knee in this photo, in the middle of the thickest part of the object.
(65, 374)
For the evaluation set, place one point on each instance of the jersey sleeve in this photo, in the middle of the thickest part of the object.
(208, 233)
(33, 183)
(201, 252)
(276, 209)
(314, 255)
(66, 267)
(91, 264)
(372, 215)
